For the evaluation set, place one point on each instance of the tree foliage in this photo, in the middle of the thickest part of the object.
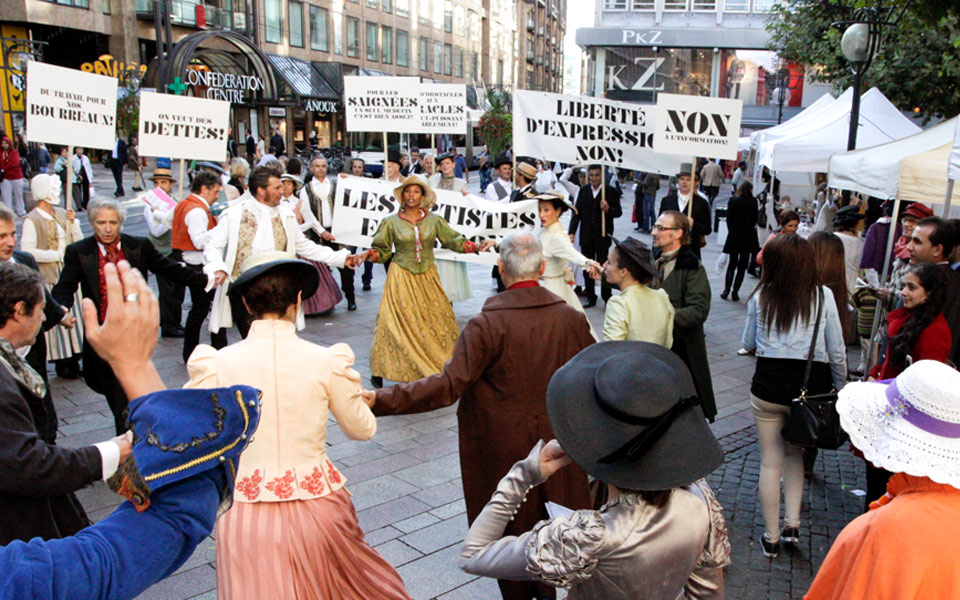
(496, 124)
(917, 66)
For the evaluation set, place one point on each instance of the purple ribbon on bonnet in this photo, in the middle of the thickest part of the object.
(899, 406)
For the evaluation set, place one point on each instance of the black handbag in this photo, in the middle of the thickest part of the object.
(813, 419)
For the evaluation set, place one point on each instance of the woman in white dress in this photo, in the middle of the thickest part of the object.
(453, 274)
(47, 231)
(558, 250)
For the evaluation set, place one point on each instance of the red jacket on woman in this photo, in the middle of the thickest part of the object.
(933, 344)
(10, 161)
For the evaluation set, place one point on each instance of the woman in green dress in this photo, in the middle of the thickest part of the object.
(416, 329)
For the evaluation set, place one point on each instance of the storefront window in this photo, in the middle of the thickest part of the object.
(372, 42)
(318, 29)
(296, 24)
(437, 57)
(637, 74)
(744, 75)
(403, 48)
(424, 54)
(353, 37)
(386, 44)
(273, 17)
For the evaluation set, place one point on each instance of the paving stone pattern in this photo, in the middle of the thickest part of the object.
(406, 481)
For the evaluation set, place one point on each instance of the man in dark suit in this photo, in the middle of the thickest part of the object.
(37, 477)
(278, 143)
(118, 159)
(591, 210)
(679, 201)
(45, 414)
(83, 265)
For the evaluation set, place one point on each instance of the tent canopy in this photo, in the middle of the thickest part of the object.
(923, 177)
(876, 171)
(809, 114)
(810, 149)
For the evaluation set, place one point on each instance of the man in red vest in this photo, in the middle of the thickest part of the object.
(191, 222)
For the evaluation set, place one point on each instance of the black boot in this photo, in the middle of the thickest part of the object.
(725, 293)
(351, 302)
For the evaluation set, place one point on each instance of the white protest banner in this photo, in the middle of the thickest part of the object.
(953, 171)
(183, 127)
(698, 126)
(361, 203)
(579, 129)
(382, 104)
(70, 107)
(443, 108)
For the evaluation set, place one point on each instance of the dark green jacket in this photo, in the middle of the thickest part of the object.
(689, 292)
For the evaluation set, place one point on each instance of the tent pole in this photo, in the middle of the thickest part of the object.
(947, 198)
(868, 359)
(69, 190)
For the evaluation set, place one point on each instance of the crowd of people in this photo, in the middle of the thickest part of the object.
(611, 424)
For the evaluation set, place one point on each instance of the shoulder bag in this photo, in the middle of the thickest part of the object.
(813, 419)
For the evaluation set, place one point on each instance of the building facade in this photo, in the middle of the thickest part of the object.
(281, 63)
(542, 26)
(712, 48)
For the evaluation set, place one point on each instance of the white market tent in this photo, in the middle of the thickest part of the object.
(790, 126)
(923, 177)
(876, 171)
(809, 150)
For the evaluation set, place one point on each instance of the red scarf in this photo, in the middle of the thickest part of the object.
(523, 284)
(114, 254)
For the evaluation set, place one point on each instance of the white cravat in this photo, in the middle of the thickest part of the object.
(682, 201)
(263, 240)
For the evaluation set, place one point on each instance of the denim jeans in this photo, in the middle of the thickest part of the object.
(648, 218)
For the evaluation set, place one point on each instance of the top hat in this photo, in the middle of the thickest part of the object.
(393, 156)
(628, 414)
(429, 197)
(180, 433)
(639, 252)
(161, 173)
(503, 159)
(257, 264)
(686, 169)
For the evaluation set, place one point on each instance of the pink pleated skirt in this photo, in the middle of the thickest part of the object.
(300, 550)
(328, 293)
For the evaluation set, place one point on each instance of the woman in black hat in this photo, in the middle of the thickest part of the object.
(627, 413)
(292, 531)
(640, 313)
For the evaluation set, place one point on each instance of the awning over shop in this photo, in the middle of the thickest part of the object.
(305, 81)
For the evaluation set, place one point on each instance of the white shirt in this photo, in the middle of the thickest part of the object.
(265, 159)
(196, 222)
(546, 181)
(596, 191)
(321, 189)
(492, 191)
(309, 220)
(682, 201)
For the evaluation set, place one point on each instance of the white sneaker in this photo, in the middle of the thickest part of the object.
(744, 352)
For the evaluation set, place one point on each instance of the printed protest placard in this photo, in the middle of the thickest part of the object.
(579, 129)
(443, 108)
(382, 104)
(183, 127)
(70, 107)
(698, 126)
(362, 203)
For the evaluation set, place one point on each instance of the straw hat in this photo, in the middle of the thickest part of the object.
(429, 198)
(910, 424)
(297, 181)
(161, 173)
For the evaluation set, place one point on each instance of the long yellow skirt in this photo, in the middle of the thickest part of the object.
(416, 329)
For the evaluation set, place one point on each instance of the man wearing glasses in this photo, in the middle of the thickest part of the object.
(685, 281)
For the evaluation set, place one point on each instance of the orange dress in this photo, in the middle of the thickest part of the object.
(905, 548)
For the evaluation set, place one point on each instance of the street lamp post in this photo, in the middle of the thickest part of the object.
(859, 44)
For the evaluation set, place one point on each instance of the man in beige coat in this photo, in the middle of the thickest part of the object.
(500, 370)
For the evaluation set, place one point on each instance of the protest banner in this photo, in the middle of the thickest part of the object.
(183, 127)
(698, 126)
(579, 129)
(443, 108)
(362, 203)
(382, 104)
(70, 107)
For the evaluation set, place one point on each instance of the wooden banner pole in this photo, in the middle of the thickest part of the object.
(693, 189)
(70, 177)
(433, 148)
(180, 181)
(603, 198)
(947, 198)
(386, 155)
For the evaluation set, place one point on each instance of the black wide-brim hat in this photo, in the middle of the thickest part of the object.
(446, 156)
(639, 252)
(628, 414)
(502, 160)
(254, 266)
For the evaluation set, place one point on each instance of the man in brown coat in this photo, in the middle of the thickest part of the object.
(500, 369)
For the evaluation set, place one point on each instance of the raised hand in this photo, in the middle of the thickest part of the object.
(552, 458)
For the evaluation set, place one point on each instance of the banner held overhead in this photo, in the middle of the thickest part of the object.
(698, 126)
(381, 104)
(579, 129)
(443, 108)
(70, 107)
(183, 127)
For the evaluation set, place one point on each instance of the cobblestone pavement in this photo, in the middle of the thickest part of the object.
(406, 480)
